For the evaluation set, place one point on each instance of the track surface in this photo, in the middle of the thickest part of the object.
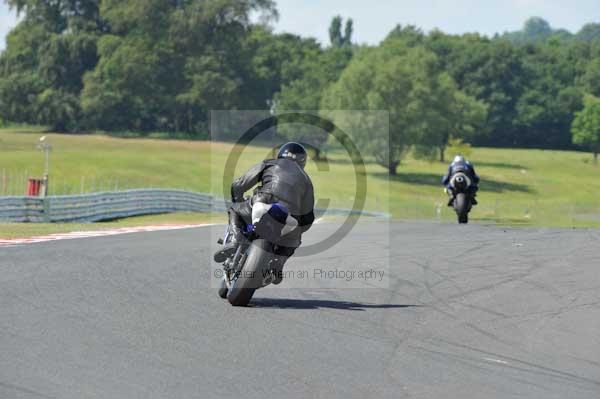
(470, 312)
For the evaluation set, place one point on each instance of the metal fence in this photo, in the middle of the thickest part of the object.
(21, 209)
(103, 206)
(119, 204)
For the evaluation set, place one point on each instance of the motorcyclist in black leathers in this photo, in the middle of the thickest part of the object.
(282, 180)
(460, 164)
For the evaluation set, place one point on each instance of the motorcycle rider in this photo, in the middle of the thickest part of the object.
(282, 180)
(460, 164)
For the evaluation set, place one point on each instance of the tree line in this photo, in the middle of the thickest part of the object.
(161, 65)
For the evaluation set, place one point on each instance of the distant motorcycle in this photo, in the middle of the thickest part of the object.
(462, 200)
(250, 267)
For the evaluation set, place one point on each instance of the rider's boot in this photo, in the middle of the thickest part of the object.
(236, 235)
(277, 270)
(473, 195)
(282, 255)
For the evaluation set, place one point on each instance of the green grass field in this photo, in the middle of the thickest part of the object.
(519, 187)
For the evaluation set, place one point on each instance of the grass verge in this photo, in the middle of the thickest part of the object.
(519, 187)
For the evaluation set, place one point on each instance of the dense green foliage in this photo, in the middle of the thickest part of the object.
(425, 106)
(131, 65)
(537, 30)
(586, 126)
(155, 65)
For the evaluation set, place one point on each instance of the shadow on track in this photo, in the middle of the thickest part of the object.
(284, 303)
(500, 165)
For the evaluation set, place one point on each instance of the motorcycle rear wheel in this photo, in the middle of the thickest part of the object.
(251, 276)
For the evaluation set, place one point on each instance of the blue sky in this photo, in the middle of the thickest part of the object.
(374, 19)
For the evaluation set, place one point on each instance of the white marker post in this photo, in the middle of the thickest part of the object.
(45, 146)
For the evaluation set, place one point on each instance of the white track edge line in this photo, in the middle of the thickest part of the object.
(5, 243)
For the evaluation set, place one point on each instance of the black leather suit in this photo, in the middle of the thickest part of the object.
(283, 181)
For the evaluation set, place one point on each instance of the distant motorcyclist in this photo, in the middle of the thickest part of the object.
(460, 164)
(282, 180)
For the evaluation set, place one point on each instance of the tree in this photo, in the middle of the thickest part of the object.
(46, 57)
(138, 64)
(58, 109)
(535, 30)
(590, 80)
(589, 32)
(348, 30)
(166, 64)
(586, 126)
(335, 31)
(124, 91)
(305, 93)
(549, 100)
(360, 87)
(18, 97)
(490, 71)
(277, 60)
(336, 38)
(406, 82)
(460, 116)
(60, 16)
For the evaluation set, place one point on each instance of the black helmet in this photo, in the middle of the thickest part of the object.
(293, 151)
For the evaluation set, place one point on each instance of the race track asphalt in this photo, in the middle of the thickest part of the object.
(469, 312)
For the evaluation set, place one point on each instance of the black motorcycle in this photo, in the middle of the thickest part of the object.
(462, 199)
(251, 266)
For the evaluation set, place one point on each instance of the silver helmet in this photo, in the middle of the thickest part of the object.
(458, 159)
